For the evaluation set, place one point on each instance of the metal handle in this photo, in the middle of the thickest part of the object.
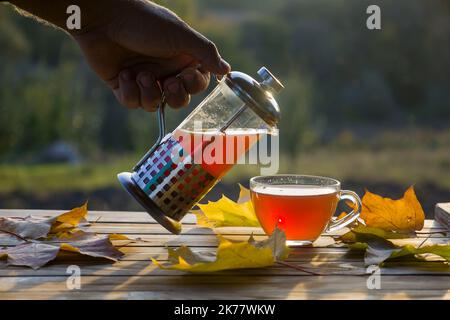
(162, 132)
(162, 125)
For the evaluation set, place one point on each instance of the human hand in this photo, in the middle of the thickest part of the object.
(139, 48)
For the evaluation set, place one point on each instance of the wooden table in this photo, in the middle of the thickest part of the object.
(135, 277)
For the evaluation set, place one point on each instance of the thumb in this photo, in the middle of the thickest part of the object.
(205, 51)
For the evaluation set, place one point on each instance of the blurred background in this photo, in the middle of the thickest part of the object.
(371, 108)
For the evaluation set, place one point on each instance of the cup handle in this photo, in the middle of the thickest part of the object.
(350, 217)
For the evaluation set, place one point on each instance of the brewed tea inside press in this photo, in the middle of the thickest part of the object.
(169, 180)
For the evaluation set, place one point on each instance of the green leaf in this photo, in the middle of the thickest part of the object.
(380, 250)
(361, 229)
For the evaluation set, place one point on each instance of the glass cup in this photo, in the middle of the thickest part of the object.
(302, 206)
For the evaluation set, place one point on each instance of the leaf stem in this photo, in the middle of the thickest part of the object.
(423, 242)
(434, 232)
(15, 235)
(290, 265)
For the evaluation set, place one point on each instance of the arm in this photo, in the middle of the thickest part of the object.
(137, 48)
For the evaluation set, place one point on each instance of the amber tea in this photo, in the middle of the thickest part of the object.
(302, 206)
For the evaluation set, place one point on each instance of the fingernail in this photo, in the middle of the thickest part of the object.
(224, 65)
(145, 80)
(126, 75)
(173, 87)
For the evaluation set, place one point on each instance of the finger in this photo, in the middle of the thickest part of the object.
(150, 91)
(129, 93)
(205, 51)
(194, 81)
(175, 93)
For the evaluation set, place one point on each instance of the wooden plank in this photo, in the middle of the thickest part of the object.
(132, 217)
(231, 279)
(207, 238)
(104, 216)
(347, 263)
(210, 240)
(125, 228)
(152, 295)
(344, 274)
(135, 228)
(231, 286)
(314, 257)
(147, 269)
(442, 214)
(160, 253)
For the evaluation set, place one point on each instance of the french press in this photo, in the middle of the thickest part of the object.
(167, 182)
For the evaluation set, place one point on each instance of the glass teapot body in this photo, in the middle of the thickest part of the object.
(185, 164)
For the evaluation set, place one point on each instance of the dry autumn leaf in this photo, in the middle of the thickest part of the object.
(406, 252)
(230, 255)
(91, 244)
(30, 254)
(351, 236)
(379, 250)
(42, 239)
(29, 227)
(226, 213)
(403, 215)
(38, 254)
(40, 227)
(70, 219)
(391, 219)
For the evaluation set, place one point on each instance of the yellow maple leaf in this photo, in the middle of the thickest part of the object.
(230, 255)
(32, 227)
(70, 219)
(226, 213)
(116, 236)
(402, 215)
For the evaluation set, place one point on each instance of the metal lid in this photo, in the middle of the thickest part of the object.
(258, 95)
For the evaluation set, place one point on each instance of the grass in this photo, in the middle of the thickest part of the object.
(44, 179)
(400, 166)
(403, 166)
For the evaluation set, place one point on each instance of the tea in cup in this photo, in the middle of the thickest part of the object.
(300, 205)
